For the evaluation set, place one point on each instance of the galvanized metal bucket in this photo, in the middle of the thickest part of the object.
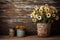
(43, 29)
(20, 33)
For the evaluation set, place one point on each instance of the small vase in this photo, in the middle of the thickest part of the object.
(20, 33)
(43, 29)
(11, 32)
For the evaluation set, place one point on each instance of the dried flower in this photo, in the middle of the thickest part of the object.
(20, 27)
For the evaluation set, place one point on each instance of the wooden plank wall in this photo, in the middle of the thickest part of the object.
(16, 12)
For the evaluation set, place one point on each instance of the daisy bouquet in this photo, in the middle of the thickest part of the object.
(44, 14)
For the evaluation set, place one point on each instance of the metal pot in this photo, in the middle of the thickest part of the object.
(43, 29)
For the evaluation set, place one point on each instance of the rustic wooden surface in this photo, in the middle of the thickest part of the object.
(30, 38)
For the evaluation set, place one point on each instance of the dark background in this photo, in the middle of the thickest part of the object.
(16, 12)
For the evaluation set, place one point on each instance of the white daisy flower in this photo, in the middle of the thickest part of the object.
(35, 16)
(48, 15)
(41, 8)
(33, 13)
(39, 17)
(46, 9)
(34, 20)
(36, 7)
(53, 15)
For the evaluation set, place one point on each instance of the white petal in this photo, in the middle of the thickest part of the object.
(39, 18)
(48, 15)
